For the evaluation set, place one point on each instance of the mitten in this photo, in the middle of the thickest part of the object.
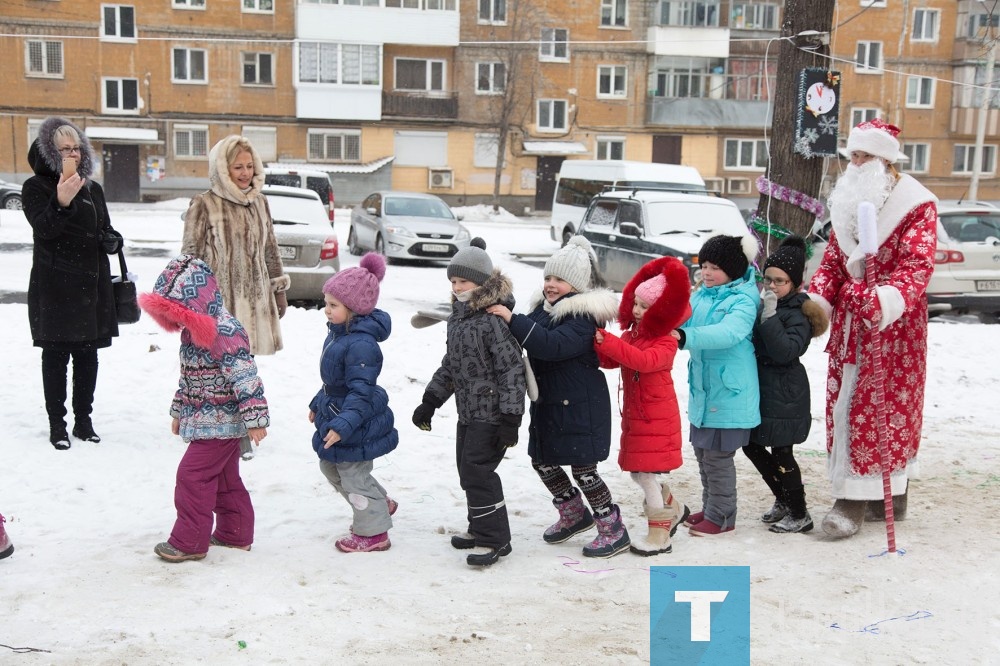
(871, 310)
(281, 300)
(507, 430)
(769, 300)
(425, 411)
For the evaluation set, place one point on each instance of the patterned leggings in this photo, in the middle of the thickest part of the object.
(586, 476)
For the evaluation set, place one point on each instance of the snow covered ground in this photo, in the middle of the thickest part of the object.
(84, 586)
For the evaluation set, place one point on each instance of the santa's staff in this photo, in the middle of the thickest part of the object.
(868, 242)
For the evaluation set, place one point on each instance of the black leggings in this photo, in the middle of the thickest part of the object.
(777, 467)
(586, 476)
(55, 364)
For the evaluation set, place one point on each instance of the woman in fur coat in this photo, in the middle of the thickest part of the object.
(230, 228)
(654, 302)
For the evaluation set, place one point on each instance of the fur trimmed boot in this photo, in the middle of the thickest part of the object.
(845, 518)
(612, 537)
(661, 527)
(875, 511)
(573, 519)
(676, 511)
(6, 547)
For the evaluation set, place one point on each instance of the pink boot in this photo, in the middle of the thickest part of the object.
(356, 543)
(6, 547)
(573, 519)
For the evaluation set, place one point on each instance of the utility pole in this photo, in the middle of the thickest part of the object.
(984, 108)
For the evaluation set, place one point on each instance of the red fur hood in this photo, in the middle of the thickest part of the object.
(673, 306)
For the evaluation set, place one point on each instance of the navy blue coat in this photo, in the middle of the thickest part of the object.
(350, 402)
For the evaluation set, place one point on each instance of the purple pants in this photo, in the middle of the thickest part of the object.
(208, 480)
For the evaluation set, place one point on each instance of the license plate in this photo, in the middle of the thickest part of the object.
(287, 251)
(432, 247)
(987, 285)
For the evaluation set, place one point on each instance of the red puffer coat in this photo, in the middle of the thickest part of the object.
(651, 422)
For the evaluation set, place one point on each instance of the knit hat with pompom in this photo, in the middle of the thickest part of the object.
(357, 288)
(471, 263)
(576, 263)
(732, 254)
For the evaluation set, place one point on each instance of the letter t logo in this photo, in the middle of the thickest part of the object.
(701, 610)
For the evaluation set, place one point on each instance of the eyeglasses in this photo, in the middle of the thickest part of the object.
(777, 282)
(68, 150)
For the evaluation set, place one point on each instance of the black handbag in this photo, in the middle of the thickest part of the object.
(126, 303)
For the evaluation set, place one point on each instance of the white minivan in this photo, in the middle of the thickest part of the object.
(315, 180)
(580, 180)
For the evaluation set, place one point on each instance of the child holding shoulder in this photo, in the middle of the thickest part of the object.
(654, 302)
(723, 402)
(571, 419)
(354, 424)
(220, 399)
(780, 337)
(482, 368)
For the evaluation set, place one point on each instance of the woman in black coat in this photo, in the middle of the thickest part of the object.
(71, 306)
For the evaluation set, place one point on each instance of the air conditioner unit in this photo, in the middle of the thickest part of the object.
(440, 178)
(715, 185)
(739, 185)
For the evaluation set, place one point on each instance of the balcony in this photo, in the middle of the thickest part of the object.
(417, 105)
(701, 100)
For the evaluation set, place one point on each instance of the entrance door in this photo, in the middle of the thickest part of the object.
(545, 181)
(667, 149)
(121, 173)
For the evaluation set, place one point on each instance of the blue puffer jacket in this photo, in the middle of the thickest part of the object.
(722, 371)
(350, 402)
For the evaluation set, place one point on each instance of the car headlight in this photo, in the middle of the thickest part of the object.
(399, 231)
(463, 234)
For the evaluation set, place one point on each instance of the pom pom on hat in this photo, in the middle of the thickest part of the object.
(471, 263)
(651, 289)
(576, 263)
(789, 257)
(732, 254)
(875, 137)
(357, 288)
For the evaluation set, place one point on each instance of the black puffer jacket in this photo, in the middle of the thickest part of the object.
(70, 298)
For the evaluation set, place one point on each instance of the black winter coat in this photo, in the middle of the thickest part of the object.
(778, 343)
(70, 298)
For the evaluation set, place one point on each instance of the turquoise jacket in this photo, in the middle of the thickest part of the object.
(722, 371)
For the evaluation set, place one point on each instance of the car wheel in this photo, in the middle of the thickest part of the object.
(380, 248)
(352, 243)
(567, 234)
(13, 202)
(989, 317)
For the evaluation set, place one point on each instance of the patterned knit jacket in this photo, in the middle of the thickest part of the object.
(220, 395)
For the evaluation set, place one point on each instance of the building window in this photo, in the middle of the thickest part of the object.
(190, 141)
(754, 16)
(258, 69)
(396, 4)
(873, 3)
(551, 115)
(687, 77)
(264, 140)
(919, 92)
(491, 78)
(746, 154)
(554, 44)
(420, 75)
(348, 64)
(965, 155)
(258, 6)
(868, 59)
(436, 5)
(43, 59)
(919, 156)
(861, 114)
(121, 96)
(925, 25)
(611, 81)
(492, 11)
(703, 13)
(118, 22)
(485, 150)
(610, 148)
(334, 146)
(362, 3)
(188, 4)
(614, 12)
(190, 66)
(980, 25)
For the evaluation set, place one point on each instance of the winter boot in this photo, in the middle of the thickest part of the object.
(676, 511)
(612, 537)
(661, 527)
(777, 511)
(6, 547)
(84, 385)
(84, 429)
(573, 519)
(797, 519)
(58, 436)
(845, 518)
(363, 544)
(489, 558)
(171, 554)
(706, 527)
(875, 511)
(214, 541)
(694, 518)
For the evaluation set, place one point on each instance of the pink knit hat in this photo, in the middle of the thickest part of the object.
(651, 289)
(357, 288)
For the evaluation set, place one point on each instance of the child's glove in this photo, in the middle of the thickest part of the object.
(507, 431)
(425, 410)
(770, 301)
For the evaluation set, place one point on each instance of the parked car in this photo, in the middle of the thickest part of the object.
(406, 225)
(10, 195)
(629, 228)
(309, 250)
(315, 180)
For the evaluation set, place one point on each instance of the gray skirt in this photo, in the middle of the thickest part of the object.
(719, 439)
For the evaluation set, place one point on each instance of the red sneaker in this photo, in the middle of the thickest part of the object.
(707, 528)
(363, 544)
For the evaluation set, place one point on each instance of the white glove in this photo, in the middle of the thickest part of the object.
(769, 299)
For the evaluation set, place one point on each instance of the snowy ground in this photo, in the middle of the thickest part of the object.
(84, 587)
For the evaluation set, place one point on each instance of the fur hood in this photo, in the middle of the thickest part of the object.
(218, 173)
(673, 306)
(496, 289)
(817, 317)
(44, 157)
(601, 305)
(186, 296)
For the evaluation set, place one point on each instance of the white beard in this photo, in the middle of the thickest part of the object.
(871, 182)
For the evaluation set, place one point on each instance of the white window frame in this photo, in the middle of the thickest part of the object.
(552, 105)
(684, 13)
(255, 6)
(45, 60)
(489, 17)
(489, 77)
(349, 139)
(868, 46)
(872, 3)
(256, 57)
(754, 15)
(916, 86)
(264, 140)
(372, 52)
(189, 4)
(610, 9)
(860, 114)
(550, 45)
(119, 111)
(919, 155)
(758, 148)
(928, 33)
(968, 154)
(604, 147)
(429, 66)
(190, 131)
(116, 36)
(981, 24)
(617, 81)
(189, 53)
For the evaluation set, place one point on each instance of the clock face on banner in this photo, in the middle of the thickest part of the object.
(817, 112)
(820, 98)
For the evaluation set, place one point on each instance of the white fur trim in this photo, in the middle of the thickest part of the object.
(892, 304)
(875, 142)
(750, 248)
